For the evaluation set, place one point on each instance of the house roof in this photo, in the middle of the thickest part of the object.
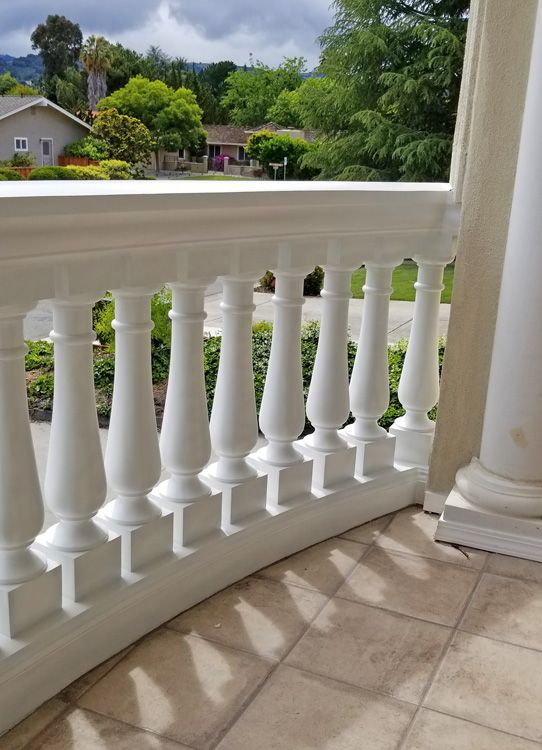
(10, 105)
(226, 135)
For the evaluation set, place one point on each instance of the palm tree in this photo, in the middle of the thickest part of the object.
(96, 59)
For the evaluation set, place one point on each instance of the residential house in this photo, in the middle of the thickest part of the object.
(34, 125)
(227, 140)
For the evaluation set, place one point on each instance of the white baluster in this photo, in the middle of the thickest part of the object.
(282, 412)
(185, 442)
(21, 504)
(328, 404)
(419, 384)
(75, 485)
(369, 384)
(234, 427)
(132, 458)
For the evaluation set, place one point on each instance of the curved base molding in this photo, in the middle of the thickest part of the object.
(83, 634)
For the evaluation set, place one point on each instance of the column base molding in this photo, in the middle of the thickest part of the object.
(330, 468)
(241, 502)
(467, 524)
(193, 522)
(286, 485)
(26, 604)
(84, 573)
(413, 448)
(372, 456)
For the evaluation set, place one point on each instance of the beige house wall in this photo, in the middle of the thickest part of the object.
(483, 171)
(35, 123)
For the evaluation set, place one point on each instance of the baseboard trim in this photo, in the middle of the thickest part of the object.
(48, 657)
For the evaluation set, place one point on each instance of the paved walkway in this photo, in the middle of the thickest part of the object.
(39, 322)
(380, 638)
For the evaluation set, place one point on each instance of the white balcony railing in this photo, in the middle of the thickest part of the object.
(103, 576)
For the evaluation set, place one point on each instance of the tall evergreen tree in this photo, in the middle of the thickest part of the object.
(393, 72)
(58, 41)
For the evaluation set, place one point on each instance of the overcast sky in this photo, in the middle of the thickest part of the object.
(198, 30)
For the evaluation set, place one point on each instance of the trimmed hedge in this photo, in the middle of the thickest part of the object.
(9, 174)
(70, 172)
(116, 169)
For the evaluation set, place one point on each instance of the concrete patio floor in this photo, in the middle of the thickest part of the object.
(39, 322)
(380, 639)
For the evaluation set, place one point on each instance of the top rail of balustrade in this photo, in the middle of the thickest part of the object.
(65, 238)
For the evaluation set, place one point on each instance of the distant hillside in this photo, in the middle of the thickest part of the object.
(27, 68)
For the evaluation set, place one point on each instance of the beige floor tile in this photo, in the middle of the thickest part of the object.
(514, 567)
(83, 730)
(74, 691)
(298, 711)
(412, 531)
(258, 615)
(26, 730)
(506, 609)
(321, 568)
(370, 648)
(414, 586)
(178, 686)
(491, 683)
(368, 532)
(456, 734)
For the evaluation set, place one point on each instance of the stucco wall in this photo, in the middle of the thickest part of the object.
(35, 123)
(483, 172)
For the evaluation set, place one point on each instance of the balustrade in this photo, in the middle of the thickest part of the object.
(162, 543)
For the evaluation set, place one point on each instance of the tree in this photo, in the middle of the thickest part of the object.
(68, 91)
(250, 93)
(172, 117)
(125, 64)
(285, 110)
(96, 59)
(126, 137)
(394, 72)
(10, 86)
(59, 43)
(270, 148)
(216, 74)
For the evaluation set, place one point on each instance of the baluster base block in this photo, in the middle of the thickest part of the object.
(240, 501)
(26, 604)
(193, 522)
(84, 573)
(286, 485)
(413, 448)
(372, 456)
(330, 468)
(142, 545)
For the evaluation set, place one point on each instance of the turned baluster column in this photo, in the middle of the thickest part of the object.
(419, 383)
(282, 413)
(234, 426)
(328, 404)
(185, 442)
(21, 505)
(75, 485)
(132, 458)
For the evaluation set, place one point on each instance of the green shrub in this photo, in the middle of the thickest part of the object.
(9, 174)
(41, 391)
(89, 146)
(39, 355)
(312, 286)
(50, 173)
(23, 160)
(85, 173)
(104, 372)
(115, 169)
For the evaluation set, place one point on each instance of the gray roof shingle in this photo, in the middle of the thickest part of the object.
(10, 104)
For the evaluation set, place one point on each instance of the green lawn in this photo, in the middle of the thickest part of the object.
(404, 277)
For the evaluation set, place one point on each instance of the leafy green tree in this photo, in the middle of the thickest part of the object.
(215, 75)
(126, 138)
(96, 59)
(285, 111)
(58, 41)
(270, 148)
(251, 93)
(10, 86)
(172, 117)
(68, 91)
(393, 72)
(125, 64)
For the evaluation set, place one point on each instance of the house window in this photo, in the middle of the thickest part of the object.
(21, 144)
(214, 150)
(242, 154)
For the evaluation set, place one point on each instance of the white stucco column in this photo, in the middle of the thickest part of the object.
(507, 479)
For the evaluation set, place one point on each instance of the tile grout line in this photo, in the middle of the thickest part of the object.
(408, 730)
(279, 663)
